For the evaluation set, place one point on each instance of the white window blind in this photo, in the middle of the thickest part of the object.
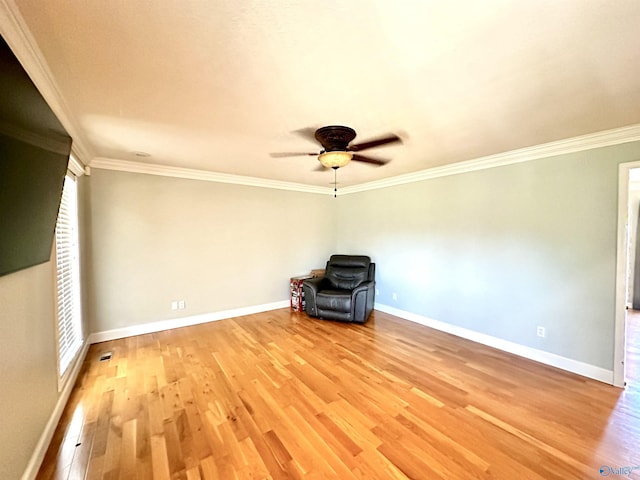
(68, 276)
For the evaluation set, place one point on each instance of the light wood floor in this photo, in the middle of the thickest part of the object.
(279, 395)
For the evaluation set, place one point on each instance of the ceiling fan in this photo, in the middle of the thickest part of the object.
(336, 150)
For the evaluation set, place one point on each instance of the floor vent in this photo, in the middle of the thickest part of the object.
(105, 356)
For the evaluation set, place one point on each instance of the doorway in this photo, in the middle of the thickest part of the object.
(632, 354)
(632, 320)
(627, 320)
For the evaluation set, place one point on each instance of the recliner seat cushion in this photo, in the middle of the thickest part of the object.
(337, 300)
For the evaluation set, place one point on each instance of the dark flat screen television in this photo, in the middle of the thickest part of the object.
(34, 155)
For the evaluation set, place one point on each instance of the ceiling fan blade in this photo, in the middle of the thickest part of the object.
(292, 154)
(374, 161)
(358, 147)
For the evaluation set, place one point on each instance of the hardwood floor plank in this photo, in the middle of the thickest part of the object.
(159, 458)
(373, 465)
(446, 445)
(209, 469)
(356, 424)
(112, 455)
(129, 450)
(279, 396)
(339, 438)
(174, 447)
(308, 430)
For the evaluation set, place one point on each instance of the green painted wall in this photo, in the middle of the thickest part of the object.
(503, 250)
(28, 372)
(157, 239)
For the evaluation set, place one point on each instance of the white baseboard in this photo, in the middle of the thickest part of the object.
(45, 439)
(551, 359)
(153, 327)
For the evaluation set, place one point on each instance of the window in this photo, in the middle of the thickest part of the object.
(68, 277)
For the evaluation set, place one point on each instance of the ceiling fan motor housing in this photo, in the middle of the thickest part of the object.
(335, 137)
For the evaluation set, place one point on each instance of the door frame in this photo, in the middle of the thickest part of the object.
(622, 257)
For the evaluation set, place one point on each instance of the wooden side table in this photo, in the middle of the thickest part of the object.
(297, 293)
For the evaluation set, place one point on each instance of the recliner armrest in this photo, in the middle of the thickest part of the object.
(363, 286)
(311, 287)
(315, 284)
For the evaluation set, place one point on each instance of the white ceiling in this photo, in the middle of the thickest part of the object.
(217, 85)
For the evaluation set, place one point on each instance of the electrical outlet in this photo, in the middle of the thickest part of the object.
(181, 304)
(541, 332)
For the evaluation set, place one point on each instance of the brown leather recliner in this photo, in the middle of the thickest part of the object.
(346, 292)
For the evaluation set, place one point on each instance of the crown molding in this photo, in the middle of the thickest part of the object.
(19, 38)
(76, 167)
(605, 138)
(193, 174)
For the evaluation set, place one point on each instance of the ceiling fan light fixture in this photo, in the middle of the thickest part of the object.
(335, 159)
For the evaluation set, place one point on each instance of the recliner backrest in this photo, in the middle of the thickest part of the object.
(346, 272)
